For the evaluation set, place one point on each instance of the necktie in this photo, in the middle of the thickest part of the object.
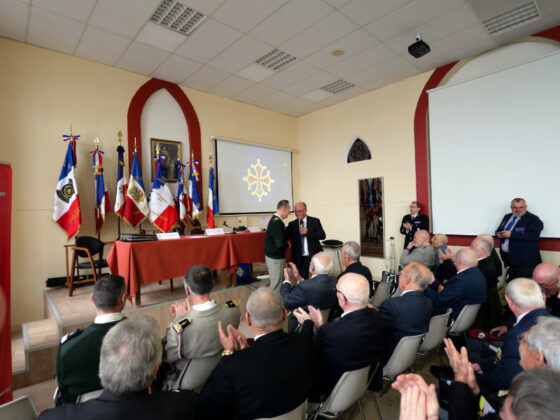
(511, 223)
(302, 237)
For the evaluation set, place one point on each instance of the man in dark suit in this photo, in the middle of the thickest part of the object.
(351, 260)
(352, 342)
(305, 233)
(413, 222)
(519, 234)
(526, 302)
(547, 276)
(130, 357)
(410, 313)
(468, 287)
(271, 377)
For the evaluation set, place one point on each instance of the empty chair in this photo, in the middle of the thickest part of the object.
(347, 391)
(89, 396)
(297, 413)
(464, 320)
(86, 247)
(403, 357)
(194, 375)
(382, 292)
(20, 409)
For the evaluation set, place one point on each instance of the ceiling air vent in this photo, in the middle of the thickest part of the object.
(337, 87)
(512, 19)
(177, 17)
(276, 60)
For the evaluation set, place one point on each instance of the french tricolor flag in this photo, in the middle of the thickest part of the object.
(67, 212)
(212, 199)
(163, 213)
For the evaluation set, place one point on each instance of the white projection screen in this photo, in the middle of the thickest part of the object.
(493, 138)
(251, 178)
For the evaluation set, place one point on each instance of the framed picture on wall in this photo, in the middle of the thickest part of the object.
(171, 151)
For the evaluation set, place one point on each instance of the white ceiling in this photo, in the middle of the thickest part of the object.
(218, 57)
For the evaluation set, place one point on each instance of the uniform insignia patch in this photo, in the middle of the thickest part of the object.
(70, 336)
(66, 192)
(232, 304)
(181, 325)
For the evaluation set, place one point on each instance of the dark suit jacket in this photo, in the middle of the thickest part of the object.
(318, 291)
(315, 233)
(466, 288)
(269, 378)
(352, 342)
(405, 315)
(498, 376)
(420, 222)
(138, 406)
(524, 240)
(359, 268)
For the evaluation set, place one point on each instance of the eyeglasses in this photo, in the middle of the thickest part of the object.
(517, 207)
(338, 291)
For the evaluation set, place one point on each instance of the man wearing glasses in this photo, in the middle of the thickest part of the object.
(519, 234)
(413, 222)
(547, 276)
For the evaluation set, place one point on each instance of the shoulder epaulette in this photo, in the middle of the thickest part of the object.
(232, 304)
(181, 325)
(70, 336)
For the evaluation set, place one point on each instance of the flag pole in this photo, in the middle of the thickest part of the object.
(96, 142)
(119, 219)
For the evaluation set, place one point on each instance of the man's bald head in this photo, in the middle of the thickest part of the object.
(320, 263)
(465, 258)
(547, 276)
(421, 237)
(355, 290)
(439, 239)
(481, 247)
(414, 276)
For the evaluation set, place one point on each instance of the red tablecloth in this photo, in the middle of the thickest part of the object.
(147, 262)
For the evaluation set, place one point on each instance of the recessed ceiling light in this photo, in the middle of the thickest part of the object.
(511, 19)
(177, 17)
(276, 60)
(337, 52)
(337, 87)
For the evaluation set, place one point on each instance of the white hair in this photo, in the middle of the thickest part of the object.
(322, 263)
(546, 339)
(352, 249)
(525, 293)
(266, 307)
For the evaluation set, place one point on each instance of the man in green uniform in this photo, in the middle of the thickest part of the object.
(194, 331)
(77, 360)
(275, 245)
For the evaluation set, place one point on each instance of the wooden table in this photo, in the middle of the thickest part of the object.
(146, 262)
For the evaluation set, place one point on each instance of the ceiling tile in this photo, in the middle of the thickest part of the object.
(394, 65)
(77, 10)
(304, 86)
(245, 14)
(231, 86)
(337, 3)
(362, 61)
(293, 105)
(101, 46)
(160, 37)
(123, 17)
(273, 99)
(13, 20)
(53, 31)
(255, 72)
(176, 69)
(289, 20)
(365, 11)
(204, 6)
(471, 35)
(141, 58)
(205, 78)
(317, 95)
(207, 41)
(242, 53)
(328, 30)
(254, 93)
(290, 75)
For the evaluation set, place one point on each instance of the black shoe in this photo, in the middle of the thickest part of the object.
(442, 372)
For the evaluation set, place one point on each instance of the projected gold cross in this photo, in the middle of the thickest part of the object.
(258, 180)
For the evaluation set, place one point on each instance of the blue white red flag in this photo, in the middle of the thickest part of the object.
(212, 199)
(121, 184)
(192, 189)
(182, 196)
(163, 213)
(101, 194)
(136, 203)
(66, 202)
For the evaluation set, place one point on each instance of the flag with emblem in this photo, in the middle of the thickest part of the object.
(182, 196)
(212, 199)
(192, 189)
(163, 213)
(121, 184)
(66, 202)
(136, 203)
(101, 194)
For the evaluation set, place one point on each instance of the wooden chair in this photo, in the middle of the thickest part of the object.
(86, 247)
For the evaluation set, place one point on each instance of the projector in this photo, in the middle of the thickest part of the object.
(419, 48)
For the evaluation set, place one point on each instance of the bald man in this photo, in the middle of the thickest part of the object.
(547, 276)
(468, 287)
(419, 250)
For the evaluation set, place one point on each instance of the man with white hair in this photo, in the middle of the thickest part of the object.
(540, 346)
(468, 287)
(419, 250)
(353, 342)
(271, 377)
(526, 302)
(547, 276)
(351, 260)
(130, 358)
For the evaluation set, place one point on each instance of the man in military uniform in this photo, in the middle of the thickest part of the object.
(194, 331)
(275, 245)
(77, 360)
(413, 222)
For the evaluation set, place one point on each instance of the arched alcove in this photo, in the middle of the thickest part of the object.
(359, 151)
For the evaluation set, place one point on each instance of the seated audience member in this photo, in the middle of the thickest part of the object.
(418, 399)
(495, 257)
(439, 243)
(77, 360)
(468, 287)
(409, 313)
(318, 291)
(352, 342)
(526, 302)
(351, 260)
(194, 331)
(130, 358)
(419, 250)
(270, 377)
(491, 312)
(547, 276)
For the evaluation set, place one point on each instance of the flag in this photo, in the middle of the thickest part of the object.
(182, 195)
(136, 204)
(212, 199)
(121, 184)
(163, 213)
(66, 202)
(101, 195)
(192, 189)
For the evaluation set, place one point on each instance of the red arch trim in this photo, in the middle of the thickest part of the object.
(135, 113)
(421, 147)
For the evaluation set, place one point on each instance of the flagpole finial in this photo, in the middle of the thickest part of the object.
(210, 159)
(157, 151)
(96, 142)
(120, 137)
(134, 144)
